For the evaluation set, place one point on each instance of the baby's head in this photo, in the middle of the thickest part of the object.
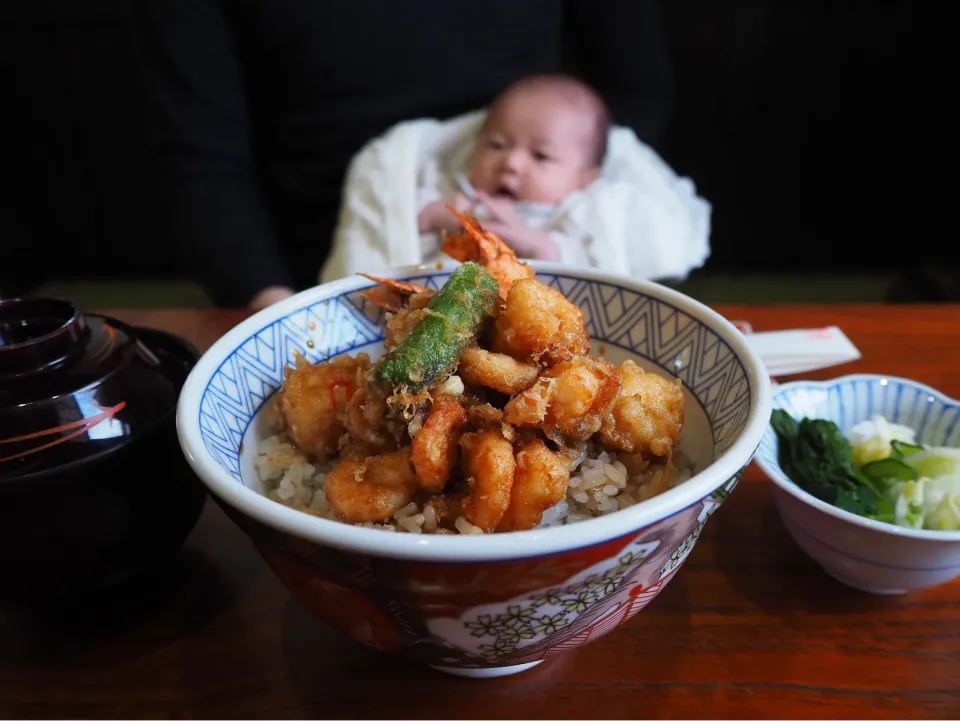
(544, 138)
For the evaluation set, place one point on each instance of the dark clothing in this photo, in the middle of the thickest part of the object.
(259, 105)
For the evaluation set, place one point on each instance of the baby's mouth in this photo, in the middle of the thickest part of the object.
(502, 191)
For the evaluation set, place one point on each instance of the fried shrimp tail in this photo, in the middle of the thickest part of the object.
(487, 249)
(391, 294)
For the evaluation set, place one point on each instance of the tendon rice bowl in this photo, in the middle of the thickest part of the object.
(475, 607)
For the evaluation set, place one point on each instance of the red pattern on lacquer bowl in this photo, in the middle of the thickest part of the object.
(449, 589)
(55, 436)
(341, 606)
(435, 612)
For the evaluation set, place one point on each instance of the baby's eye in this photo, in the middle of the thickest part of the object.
(495, 144)
(541, 157)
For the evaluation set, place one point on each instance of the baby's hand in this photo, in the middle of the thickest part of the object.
(460, 202)
(501, 211)
(436, 216)
(525, 241)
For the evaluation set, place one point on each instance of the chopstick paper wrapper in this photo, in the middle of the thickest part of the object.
(786, 352)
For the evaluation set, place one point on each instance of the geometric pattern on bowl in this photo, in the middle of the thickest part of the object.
(648, 327)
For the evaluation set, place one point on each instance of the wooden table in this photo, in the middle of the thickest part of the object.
(750, 628)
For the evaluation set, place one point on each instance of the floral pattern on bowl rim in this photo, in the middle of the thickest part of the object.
(591, 603)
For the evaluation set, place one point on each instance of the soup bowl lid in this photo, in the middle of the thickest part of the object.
(77, 385)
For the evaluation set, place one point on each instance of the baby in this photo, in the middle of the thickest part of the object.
(543, 168)
(544, 138)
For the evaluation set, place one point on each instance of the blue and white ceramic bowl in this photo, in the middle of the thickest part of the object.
(868, 555)
(479, 605)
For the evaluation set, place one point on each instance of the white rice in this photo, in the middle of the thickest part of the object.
(598, 486)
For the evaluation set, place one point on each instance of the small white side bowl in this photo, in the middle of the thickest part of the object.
(868, 555)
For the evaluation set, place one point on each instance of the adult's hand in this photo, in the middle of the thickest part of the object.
(269, 296)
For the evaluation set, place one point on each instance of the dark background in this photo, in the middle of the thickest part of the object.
(814, 128)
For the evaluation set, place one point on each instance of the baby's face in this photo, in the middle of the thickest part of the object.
(535, 147)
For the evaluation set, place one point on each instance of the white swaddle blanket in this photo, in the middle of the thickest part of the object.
(638, 219)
